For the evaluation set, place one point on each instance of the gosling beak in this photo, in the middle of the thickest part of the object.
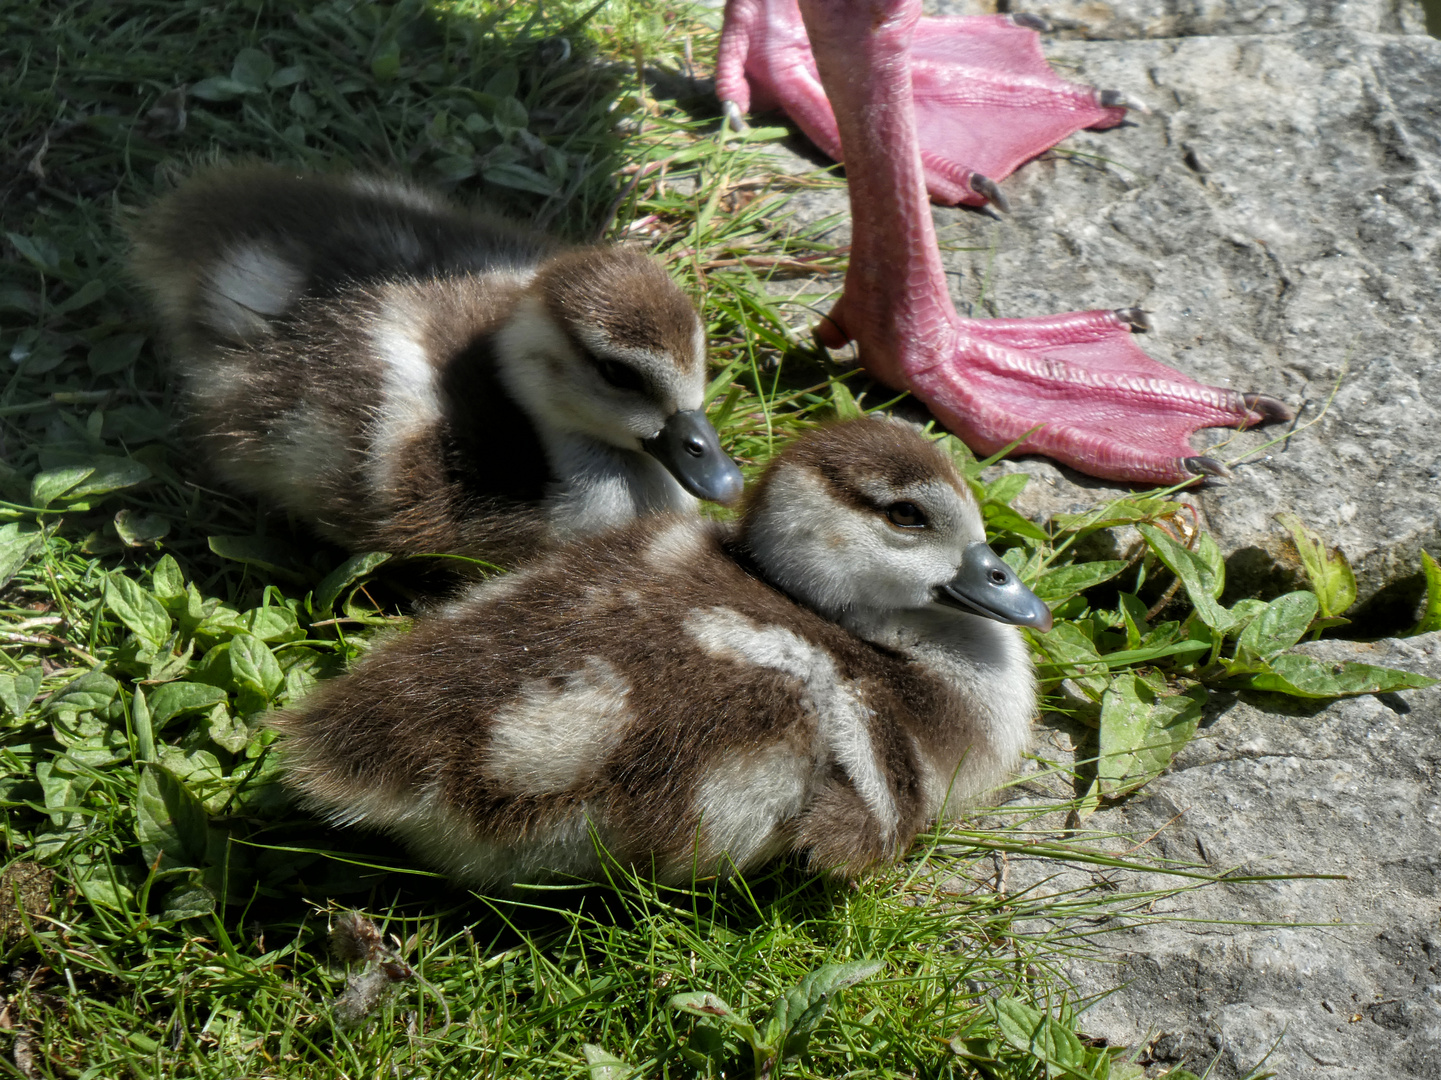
(688, 446)
(985, 585)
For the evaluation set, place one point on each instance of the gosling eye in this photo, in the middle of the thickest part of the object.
(907, 515)
(621, 376)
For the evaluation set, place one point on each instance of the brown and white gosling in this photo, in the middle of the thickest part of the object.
(414, 378)
(825, 678)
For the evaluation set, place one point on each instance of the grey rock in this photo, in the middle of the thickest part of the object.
(1280, 214)
(1125, 19)
(1328, 975)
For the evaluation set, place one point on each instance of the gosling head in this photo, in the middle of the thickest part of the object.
(868, 518)
(603, 344)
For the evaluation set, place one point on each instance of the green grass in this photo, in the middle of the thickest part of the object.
(166, 913)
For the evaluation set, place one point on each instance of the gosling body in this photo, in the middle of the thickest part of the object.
(409, 377)
(690, 696)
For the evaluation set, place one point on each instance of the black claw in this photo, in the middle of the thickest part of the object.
(984, 185)
(1269, 407)
(1138, 319)
(1118, 99)
(1204, 466)
(733, 118)
(1030, 22)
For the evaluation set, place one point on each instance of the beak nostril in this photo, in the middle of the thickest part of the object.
(999, 577)
(695, 446)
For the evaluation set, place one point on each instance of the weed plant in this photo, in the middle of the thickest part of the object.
(167, 913)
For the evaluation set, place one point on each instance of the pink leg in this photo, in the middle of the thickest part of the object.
(1101, 404)
(985, 99)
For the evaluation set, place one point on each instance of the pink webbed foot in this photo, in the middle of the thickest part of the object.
(985, 98)
(1102, 405)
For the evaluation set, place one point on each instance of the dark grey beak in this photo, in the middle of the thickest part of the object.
(688, 446)
(987, 586)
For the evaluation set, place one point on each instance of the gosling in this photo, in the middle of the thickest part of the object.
(823, 678)
(408, 377)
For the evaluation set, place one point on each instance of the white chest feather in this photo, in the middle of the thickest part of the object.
(599, 486)
(843, 719)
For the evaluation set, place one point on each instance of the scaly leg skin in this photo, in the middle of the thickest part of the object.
(1105, 407)
(985, 99)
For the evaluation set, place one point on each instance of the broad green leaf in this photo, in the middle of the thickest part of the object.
(254, 666)
(144, 729)
(94, 734)
(174, 698)
(38, 250)
(1143, 725)
(604, 1065)
(252, 69)
(1209, 553)
(1431, 617)
(190, 901)
(220, 621)
(105, 474)
(18, 691)
(703, 1003)
(165, 664)
(287, 76)
(90, 692)
(198, 768)
(170, 820)
(503, 82)
(270, 556)
(166, 580)
(219, 88)
(385, 63)
(1064, 582)
(49, 485)
(1121, 512)
(1038, 1034)
(1002, 519)
(1328, 571)
(1277, 627)
(136, 608)
(342, 577)
(510, 115)
(1305, 676)
(136, 529)
(64, 790)
(228, 731)
(1201, 576)
(1072, 655)
(100, 885)
(272, 625)
(115, 353)
(1005, 488)
(1133, 615)
(82, 297)
(18, 543)
(844, 401)
(796, 1013)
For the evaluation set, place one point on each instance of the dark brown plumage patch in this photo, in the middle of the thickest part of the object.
(627, 296)
(847, 456)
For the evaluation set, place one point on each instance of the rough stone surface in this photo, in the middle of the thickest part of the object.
(1126, 19)
(1349, 982)
(1280, 214)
